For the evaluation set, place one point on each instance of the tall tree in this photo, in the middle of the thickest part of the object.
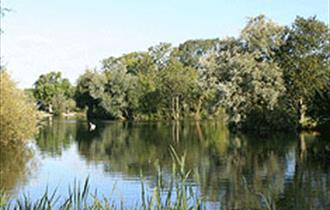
(48, 87)
(122, 91)
(177, 83)
(250, 83)
(90, 92)
(304, 58)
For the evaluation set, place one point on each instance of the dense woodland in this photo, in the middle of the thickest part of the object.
(269, 77)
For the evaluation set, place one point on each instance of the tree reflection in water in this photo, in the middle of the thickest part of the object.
(16, 164)
(56, 136)
(289, 171)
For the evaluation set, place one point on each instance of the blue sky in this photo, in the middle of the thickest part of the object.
(71, 35)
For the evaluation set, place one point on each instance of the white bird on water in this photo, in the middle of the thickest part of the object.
(91, 126)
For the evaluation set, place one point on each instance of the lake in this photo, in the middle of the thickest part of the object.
(229, 170)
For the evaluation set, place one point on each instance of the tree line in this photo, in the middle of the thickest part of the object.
(270, 76)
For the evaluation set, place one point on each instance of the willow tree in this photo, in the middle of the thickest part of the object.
(196, 54)
(122, 92)
(250, 82)
(17, 113)
(90, 92)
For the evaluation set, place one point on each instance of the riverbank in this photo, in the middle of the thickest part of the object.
(42, 115)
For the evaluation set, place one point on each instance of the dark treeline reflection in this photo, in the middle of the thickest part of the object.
(56, 136)
(291, 171)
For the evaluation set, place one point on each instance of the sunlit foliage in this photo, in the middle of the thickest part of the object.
(270, 77)
(53, 93)
(17, 112)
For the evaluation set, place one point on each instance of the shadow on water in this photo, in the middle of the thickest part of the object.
(234, 170)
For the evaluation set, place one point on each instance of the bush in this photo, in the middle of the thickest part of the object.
(17, 112)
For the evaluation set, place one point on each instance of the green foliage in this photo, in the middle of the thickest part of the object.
(17, 113)
(191, 51)
(137, 86)
(177, 83)
(252, 87)
(53, 93)
(262, 38)
(319, 109)
(271, 75)
(122, 92)
(251, 84)
(305, 60)
(112, 93)
(90, 87)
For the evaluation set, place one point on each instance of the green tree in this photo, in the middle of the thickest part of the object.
(304, 58)
(319, 109)
(202, 55)
(160, 54)
(133, 83)
(261, 78)
(177, 82)
(89, 93)
(192, 54)
(135, 62)
(250, 82)
(191, 51)
(49, 89)
(112, 93)
(122, 92)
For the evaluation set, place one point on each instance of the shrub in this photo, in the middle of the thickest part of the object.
(17, 112)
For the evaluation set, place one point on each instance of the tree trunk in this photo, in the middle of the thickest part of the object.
(173, 131)
(50, 108)
(177, 117)
(302, 146)
(173, 107)
(198, 108)
(199, 131)
(302, 111)
(178, 131)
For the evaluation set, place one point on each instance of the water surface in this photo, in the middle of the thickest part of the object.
(230, 170)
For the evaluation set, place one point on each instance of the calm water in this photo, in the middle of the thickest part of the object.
(233, 169)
